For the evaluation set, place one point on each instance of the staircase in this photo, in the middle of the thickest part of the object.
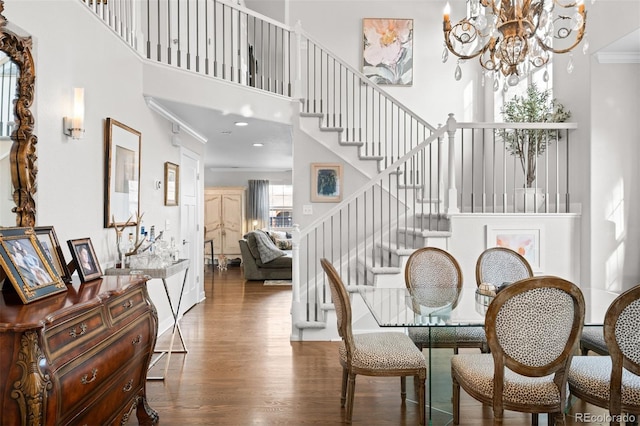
(410, 165)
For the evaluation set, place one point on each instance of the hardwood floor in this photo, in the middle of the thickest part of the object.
(242, 369)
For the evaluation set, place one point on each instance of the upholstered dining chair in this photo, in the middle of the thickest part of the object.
(592, 339)
(532, 328)
(433, 268)
(613, 381)
(373, 354)
(499, 265)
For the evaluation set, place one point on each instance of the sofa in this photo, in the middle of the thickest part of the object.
(262, 259)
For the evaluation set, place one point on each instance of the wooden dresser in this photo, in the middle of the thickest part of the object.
(79, 357)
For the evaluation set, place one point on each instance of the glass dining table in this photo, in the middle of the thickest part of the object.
(450, 307)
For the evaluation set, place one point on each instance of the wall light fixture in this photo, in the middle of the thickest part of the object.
(74, 125)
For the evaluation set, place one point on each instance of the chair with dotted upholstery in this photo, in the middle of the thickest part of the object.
(532, 328)
(434, 268)
(373, 354)
(500, 265)
(613, 381)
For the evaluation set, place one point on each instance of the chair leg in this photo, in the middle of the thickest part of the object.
(534, 419)
(421, 398)
(584, 351)
(350, 393)
(343, 395)
(403, 388)
(456, 401)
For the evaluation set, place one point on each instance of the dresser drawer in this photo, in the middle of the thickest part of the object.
(114, 399)
(69, 338)
(81, 381)
(124, 306)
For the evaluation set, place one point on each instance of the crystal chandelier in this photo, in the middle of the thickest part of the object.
(510, 36)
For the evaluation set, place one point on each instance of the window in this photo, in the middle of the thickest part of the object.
(280, 206)
(534, 77)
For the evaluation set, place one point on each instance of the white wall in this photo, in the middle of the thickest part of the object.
(73, 49)
(615, 175)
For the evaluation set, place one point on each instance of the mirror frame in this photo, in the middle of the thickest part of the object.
(23, 150)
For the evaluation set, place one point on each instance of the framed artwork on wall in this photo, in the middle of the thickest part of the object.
(85, 259)
(171, 184)
(326, 182)
(122, 174)
(49, 241)
(26, 265)
(525, 240)
(387, 51)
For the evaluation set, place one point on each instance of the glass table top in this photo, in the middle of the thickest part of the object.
(402, 307)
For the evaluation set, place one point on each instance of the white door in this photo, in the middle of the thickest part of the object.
(192, 240)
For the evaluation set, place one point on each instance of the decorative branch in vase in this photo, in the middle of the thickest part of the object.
(527, 145)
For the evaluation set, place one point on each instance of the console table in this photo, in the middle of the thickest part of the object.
(163, 274)
(78, 357)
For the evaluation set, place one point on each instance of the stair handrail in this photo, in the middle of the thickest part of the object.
(298, 29)
(439, 132)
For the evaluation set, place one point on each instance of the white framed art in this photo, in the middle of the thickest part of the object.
(526, 240)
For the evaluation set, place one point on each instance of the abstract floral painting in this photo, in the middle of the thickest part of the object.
(525, 241)
(387, 55)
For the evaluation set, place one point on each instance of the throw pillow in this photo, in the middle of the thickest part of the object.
(284, 244)
(267, 248)
(277, 235)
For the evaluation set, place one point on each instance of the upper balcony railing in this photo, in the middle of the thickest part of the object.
(224, 40)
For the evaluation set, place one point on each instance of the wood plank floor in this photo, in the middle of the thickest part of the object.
(242, 369)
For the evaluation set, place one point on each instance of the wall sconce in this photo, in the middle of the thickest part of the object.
(74, 125)
(255, 225)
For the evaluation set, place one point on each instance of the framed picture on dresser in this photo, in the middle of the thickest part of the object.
(85, 259)
(49, 241)
(26, 265)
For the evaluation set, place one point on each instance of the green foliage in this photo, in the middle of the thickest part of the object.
(527, 144)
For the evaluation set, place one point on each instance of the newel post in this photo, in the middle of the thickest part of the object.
(297, 309)
(452, 200)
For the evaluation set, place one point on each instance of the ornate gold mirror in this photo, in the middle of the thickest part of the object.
(22, 155)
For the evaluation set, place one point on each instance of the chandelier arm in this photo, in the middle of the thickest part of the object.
(459, 55)
(565, 50)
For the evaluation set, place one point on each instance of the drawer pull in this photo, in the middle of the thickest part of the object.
(94, 373)
(137, 340)
(128, 304)
(75, 333)
(128, 386)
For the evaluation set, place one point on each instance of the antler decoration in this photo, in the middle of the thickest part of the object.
(120, 229)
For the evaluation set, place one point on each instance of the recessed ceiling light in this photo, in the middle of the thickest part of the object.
(241, 123)
(258, 144)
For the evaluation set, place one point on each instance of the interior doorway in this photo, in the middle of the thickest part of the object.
(190, 219)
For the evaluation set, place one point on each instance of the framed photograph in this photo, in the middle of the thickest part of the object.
(51, 247)
(122, 174)
(85, 259)
(326, 183)
(171, 183)
(525, 240)
(25, 264)
(387, 51)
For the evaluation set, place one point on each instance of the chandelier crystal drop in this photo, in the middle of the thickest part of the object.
(514, 36)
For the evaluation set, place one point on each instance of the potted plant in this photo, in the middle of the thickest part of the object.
(536, 106)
